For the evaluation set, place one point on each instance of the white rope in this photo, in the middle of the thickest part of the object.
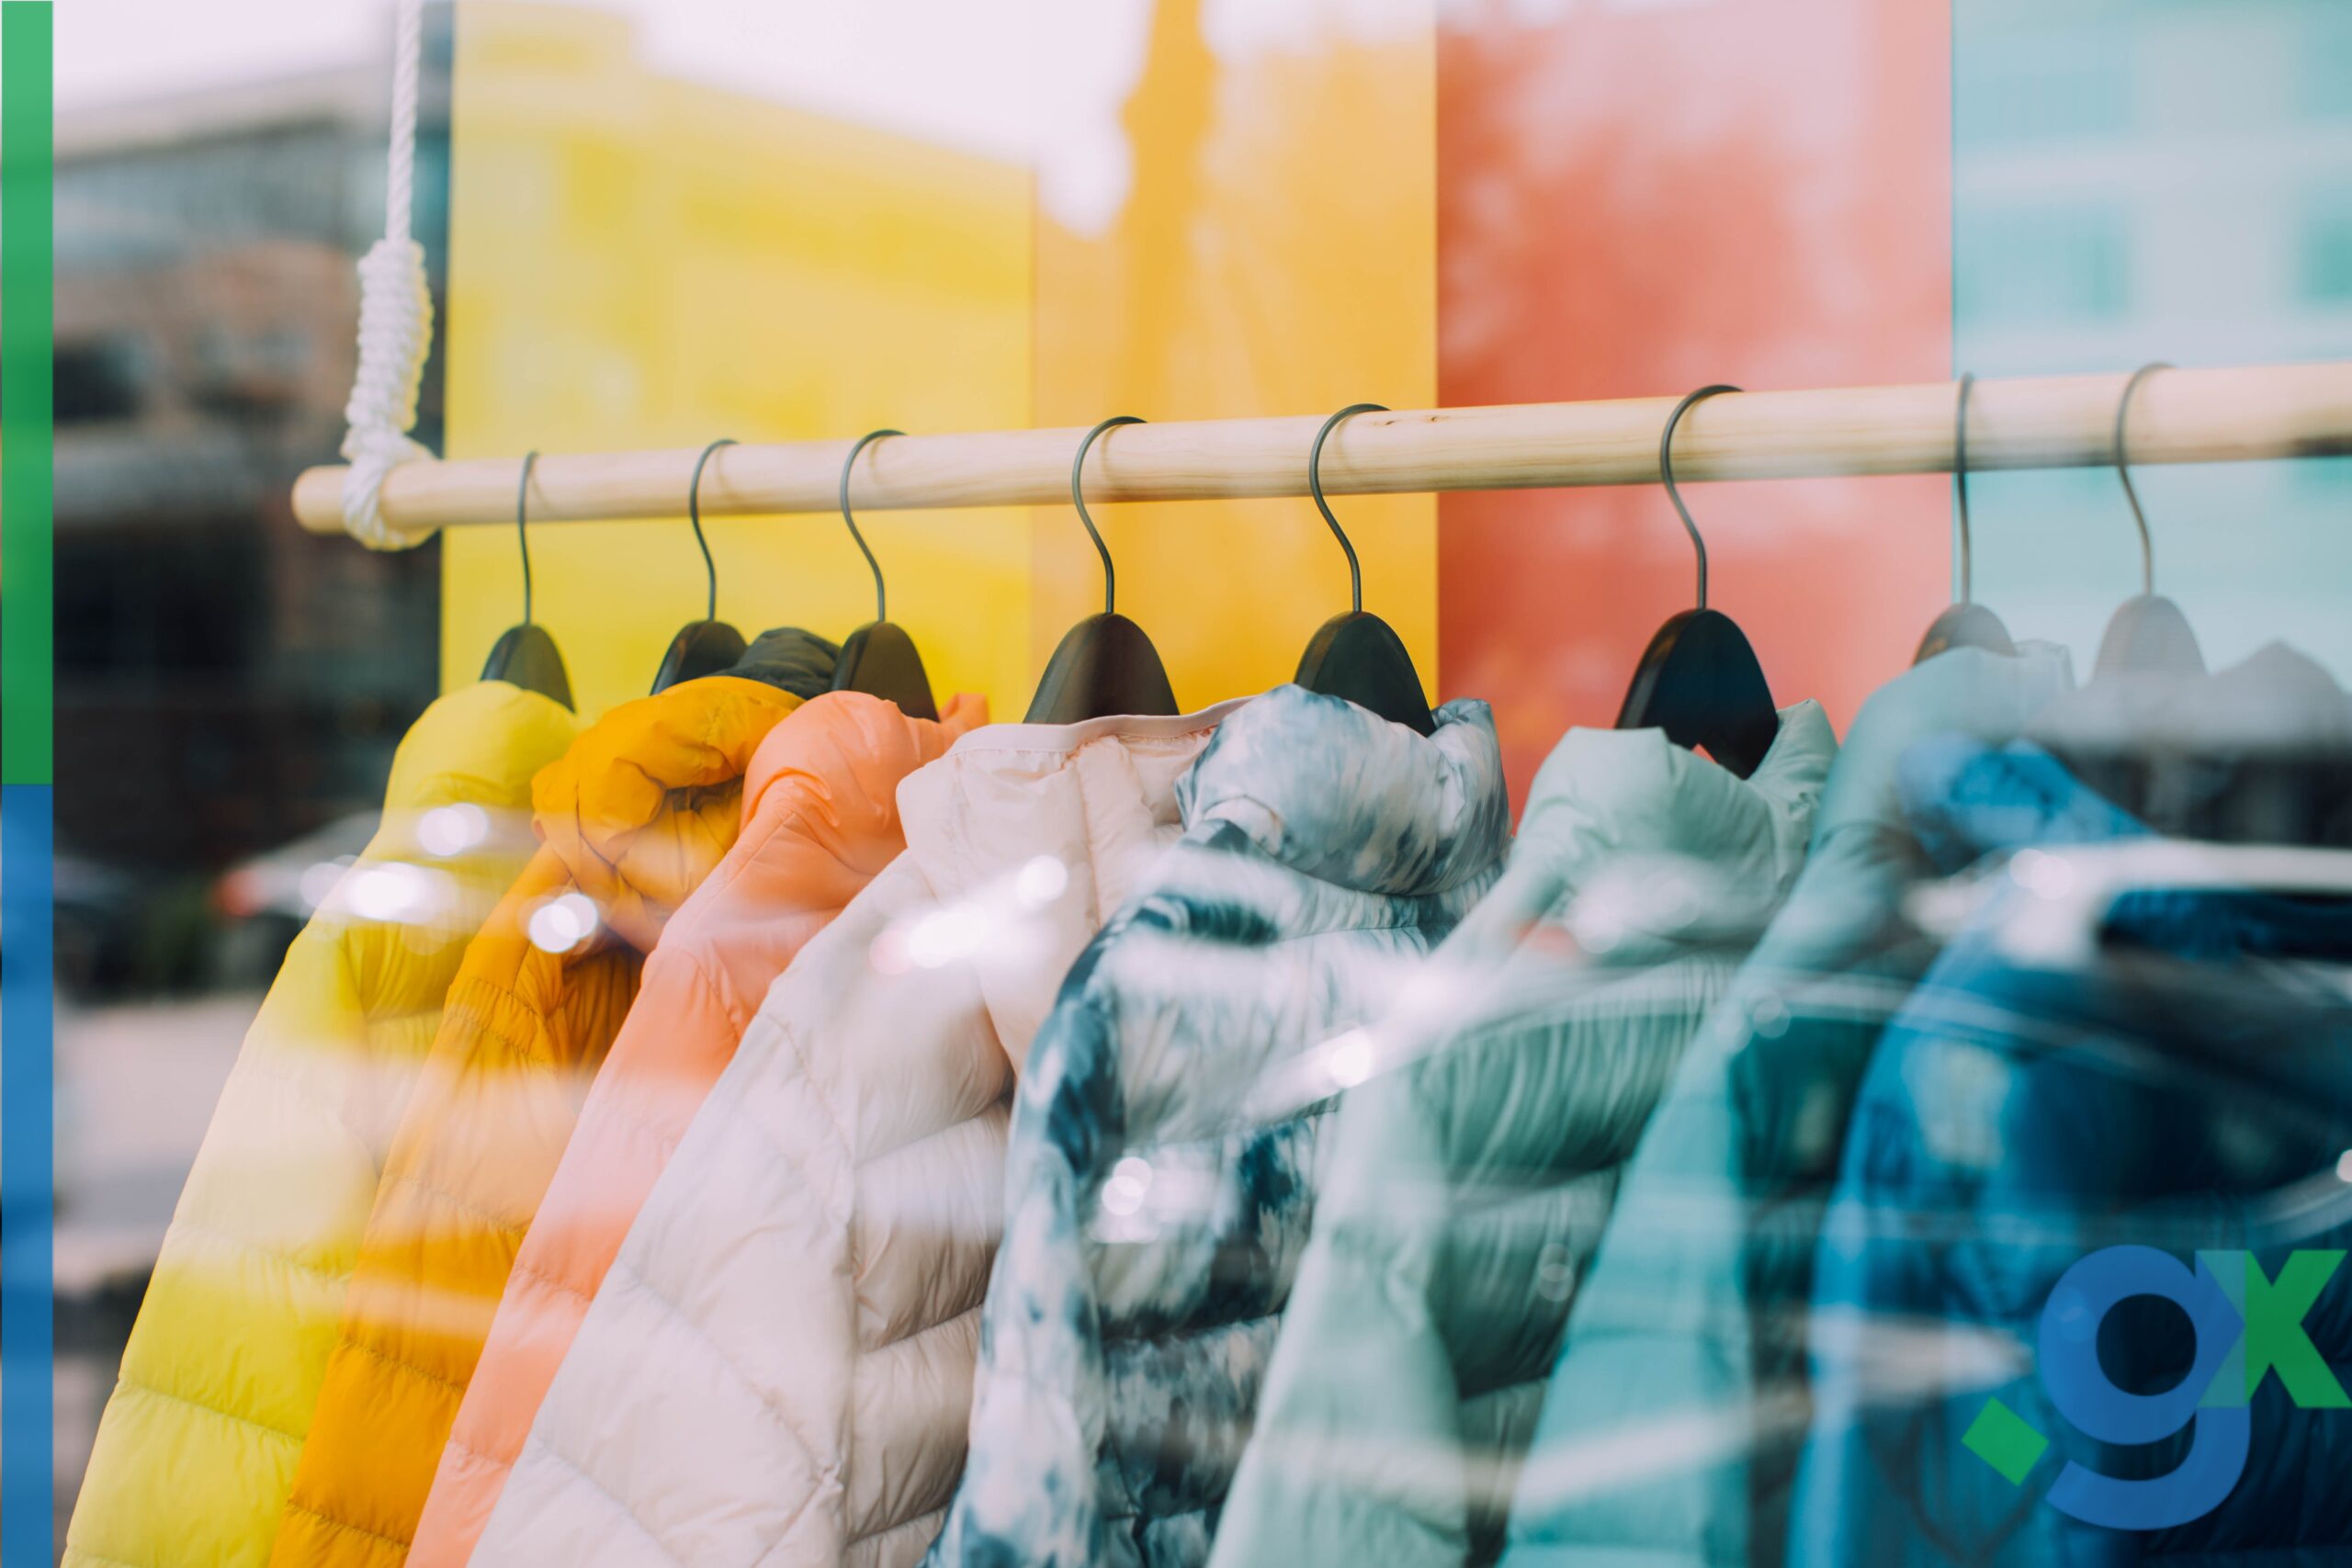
(395, 317)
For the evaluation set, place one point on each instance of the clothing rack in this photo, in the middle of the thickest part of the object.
(2176, 416)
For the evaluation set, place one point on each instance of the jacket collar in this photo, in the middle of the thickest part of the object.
(1341, 795)
(1611, 807)
(647, 802)
(478, 744)
(1101, 792)
(791, 659)
(1964, 798)
(835, 739)
(1022, 838)
(1963, 690)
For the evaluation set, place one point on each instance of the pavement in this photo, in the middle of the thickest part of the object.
(136, 1085)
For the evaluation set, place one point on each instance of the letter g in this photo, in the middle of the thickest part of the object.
(2078, 1386)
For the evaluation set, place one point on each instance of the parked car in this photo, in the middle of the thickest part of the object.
(262, 903)
(97, 909)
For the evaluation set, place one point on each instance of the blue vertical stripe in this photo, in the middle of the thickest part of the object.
(27, 1183)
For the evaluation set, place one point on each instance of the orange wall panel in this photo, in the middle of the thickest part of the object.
(1274, 252)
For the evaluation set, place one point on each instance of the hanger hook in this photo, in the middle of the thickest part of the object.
(1967, 585)
(881, 600)
(1078, 499)
(693, 515)
(2124, 472)
(522, 539)
(1665, 473)
(1315, 488)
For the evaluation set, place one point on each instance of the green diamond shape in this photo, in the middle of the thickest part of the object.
(2001, 1439)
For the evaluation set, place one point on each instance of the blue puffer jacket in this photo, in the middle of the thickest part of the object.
(1671, 1427)
(1155, 1211)
(2190, 1091)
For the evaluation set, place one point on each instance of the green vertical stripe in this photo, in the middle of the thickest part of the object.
(27, 170)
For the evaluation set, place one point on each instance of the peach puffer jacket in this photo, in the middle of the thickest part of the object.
(777, 1369)
(631, 818)
(820, 819)
(196, 1448)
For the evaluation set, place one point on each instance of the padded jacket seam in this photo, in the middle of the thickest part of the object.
(391, 1360)
(333, 1523)
(618, 1506)
(496, 1222)
(143, 1386)
(259, 1250)
(678, 1315)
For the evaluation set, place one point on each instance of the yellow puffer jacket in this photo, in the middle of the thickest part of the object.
(633, 817)
(198, 1445)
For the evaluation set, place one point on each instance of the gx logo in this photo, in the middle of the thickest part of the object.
(2246, 1326)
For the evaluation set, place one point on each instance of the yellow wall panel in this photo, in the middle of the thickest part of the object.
(637, 260)
(642, 262)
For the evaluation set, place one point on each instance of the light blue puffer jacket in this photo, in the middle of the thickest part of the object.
(1468, 1188)
(1670, 1431)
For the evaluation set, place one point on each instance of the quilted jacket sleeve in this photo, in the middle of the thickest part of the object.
(1688, 1331)
(1038, 1394)
(1662, 1356)
(1684, 1322)
(676, 1040)
(490, 1117)
(196, 1448)
(754, 1383)
(820, 820)
(198, 1445)
(1152, 1237)
(2215, 1093)
(1464, 1200)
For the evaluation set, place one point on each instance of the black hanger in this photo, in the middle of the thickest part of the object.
(1698, 680)
(1104, 664)
(1357, 656)
(880, 657)
(707, 647)
(526, 655)
(1966, 624)
(2148, 631)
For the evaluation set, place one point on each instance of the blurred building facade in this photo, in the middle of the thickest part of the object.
(2137, 180)
(224, 681)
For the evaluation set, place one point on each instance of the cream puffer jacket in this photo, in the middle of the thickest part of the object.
(777, 1368)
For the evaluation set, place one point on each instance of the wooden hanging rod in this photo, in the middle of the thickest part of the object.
(2178, 416)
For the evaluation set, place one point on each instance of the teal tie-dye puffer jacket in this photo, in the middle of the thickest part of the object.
(1155, 1209)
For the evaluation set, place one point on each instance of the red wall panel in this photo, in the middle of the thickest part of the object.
(1638, 198)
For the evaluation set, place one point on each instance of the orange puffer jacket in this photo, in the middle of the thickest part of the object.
(821, 817)
(631, 819)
